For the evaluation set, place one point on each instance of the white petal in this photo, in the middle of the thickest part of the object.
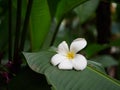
(78, 44)
(63, 48)
(79, 62)
(56, 59)
(65, 65)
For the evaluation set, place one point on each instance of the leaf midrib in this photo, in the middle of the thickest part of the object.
(103, 75)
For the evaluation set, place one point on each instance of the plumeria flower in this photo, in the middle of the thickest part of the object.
(67, 58)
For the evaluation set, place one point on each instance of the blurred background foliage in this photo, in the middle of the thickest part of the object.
(52, 21)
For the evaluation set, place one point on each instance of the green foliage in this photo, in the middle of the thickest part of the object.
(40, 23)
(94, 49)
(58, 12)
(96, 65)
(41, 18)
(24, 6)
(65, 6)
(87, 9)
(45, 20)
(106, 60)
(53, 6)
(89, 78)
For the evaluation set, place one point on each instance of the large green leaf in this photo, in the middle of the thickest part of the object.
(86, 9)
(88, 79)
(40, 23)
(64, 6)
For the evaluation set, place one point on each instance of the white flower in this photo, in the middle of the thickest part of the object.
(68, 58)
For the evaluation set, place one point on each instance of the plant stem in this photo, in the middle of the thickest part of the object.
(10, 30)
(1, 56)
(104, 24)
(55, 33)
(17, 33)
(25, 25)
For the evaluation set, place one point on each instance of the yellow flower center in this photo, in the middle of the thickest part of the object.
(70, 55)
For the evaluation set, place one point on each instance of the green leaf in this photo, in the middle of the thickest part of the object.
(53, 6)
(88, 79)
(106, 60)
(93, 49)
(86, 9)
(40, 23)
(96, 65)
(64, 6)
(58, 9)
